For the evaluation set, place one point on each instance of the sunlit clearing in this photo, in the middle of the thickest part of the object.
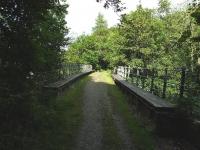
(102, 77)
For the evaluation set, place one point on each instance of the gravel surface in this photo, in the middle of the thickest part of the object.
(90, 135)
(96, 101)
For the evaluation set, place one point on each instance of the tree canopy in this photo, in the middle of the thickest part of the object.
(32, 40)
(32, 34)
(147, 38)
(116, 4)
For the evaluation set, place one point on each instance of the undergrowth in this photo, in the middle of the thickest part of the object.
(46, 124)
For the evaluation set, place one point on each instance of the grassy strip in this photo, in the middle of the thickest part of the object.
(111, 139)
(57, 124)
(143, 139)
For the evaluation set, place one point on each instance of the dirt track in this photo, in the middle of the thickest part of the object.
(96, 103)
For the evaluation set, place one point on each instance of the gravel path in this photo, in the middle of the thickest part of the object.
(96, 101)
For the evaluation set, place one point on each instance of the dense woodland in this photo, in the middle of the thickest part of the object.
(33, 41)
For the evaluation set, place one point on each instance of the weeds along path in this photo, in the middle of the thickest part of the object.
(101, 129)
(108, 122)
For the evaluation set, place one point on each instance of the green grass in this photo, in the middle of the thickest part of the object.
(111, 139)
(58, 122)
(142, 138)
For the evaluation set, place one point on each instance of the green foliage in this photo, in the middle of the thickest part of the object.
(116, 4)
(100, 26)
(142, 137)
(32, 36)
(196, 15)
(164, 7)
(136, 29)
(54, 122)
(99, 49)
(83, 51)
(147, 38)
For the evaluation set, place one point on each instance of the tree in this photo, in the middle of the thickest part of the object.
(100, 25)
(83, 50)
(164, 7)
(32, 34)
(114, 56)
(26, 43)
(142, 37)
(116, 4)
(194, 35)
(99, 49)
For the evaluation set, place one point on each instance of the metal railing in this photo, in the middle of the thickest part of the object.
(62, 73)
(45, 77)
(166, 83)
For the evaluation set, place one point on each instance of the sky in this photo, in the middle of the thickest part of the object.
(82, 13)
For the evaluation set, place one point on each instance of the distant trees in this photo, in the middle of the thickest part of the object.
(100, 25)
(83, 50)
(144, 38)
(95, 48)
(101, 48)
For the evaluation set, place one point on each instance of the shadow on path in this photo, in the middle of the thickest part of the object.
(97, 108)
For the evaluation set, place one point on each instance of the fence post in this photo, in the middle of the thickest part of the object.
(59, 74)
(131, 73)
(122, 68)
(137, 76)
(79, 68)
(165, 84)
(69, 69)
(120, 71)
(198, 74)
(66, 71)
(143, 78)
(152, 80)
(124, 76)
(182, 84)
(127, 73)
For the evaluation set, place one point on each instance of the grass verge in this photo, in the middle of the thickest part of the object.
(142, 138)
(111, 138)
(57, 123)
